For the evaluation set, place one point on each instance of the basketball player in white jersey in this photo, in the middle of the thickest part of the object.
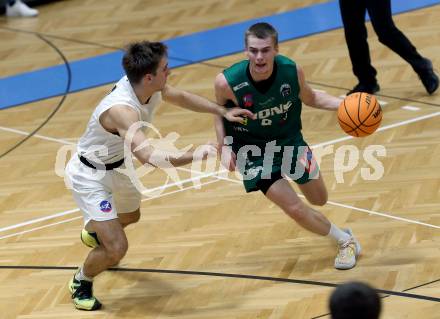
(110, 201)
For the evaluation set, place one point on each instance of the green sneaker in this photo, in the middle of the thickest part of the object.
(82, 295)
(89, 239)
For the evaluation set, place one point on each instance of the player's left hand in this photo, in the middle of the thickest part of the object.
(237, 114)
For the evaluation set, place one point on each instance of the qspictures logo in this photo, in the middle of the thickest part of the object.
(251, 160)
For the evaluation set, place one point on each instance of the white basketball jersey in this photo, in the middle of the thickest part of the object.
(97, 142)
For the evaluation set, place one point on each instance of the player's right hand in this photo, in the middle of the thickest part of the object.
(227, 157)
(238, 115)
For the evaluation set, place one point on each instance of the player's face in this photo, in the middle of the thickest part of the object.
(261, 54)
(162, 72)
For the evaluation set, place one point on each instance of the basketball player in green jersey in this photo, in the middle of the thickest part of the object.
(271, 147)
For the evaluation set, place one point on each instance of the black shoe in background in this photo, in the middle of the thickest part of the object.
(429, 79)
(363, 87)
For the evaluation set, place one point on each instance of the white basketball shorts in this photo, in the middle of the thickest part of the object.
(101, 195)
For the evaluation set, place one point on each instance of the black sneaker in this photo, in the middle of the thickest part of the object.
(429, 78)
(82, 295)
(367, 88)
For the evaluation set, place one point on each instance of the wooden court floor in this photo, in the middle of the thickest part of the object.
(194, 237)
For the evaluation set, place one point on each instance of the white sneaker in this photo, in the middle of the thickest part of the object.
(347, 252)
(20, 9)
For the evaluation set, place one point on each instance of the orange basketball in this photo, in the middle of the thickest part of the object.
(359, 114)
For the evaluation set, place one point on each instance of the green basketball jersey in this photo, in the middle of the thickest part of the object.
(278, 110)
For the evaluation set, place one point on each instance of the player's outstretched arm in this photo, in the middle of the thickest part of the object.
(125, 121)
(197, 103)
(314, 98)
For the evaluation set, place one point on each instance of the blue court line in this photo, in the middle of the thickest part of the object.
(201, 46)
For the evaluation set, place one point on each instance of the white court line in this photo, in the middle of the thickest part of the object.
(370, 212)
(71, 211)
(41, 227)
(416, 119)
(410, 108)
(383, 128)
(200, 175)
(334, 141)
(36, 135)
(61, 141)
(78, 217)
(37, 220)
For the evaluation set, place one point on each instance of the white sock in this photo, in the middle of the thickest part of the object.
(80, 276)
(338, 234)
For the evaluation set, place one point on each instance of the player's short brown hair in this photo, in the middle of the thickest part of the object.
(142, 58)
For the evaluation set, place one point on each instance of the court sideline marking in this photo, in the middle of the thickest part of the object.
(78, 217)
(239, 276)
(213, 174)
(71, 211)
(370, 212)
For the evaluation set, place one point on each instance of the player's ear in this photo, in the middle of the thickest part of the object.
(148, 78)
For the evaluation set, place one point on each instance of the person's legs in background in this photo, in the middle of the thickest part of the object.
(353, 18)
(389, 35)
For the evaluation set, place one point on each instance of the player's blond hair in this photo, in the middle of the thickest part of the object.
(261, 30)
